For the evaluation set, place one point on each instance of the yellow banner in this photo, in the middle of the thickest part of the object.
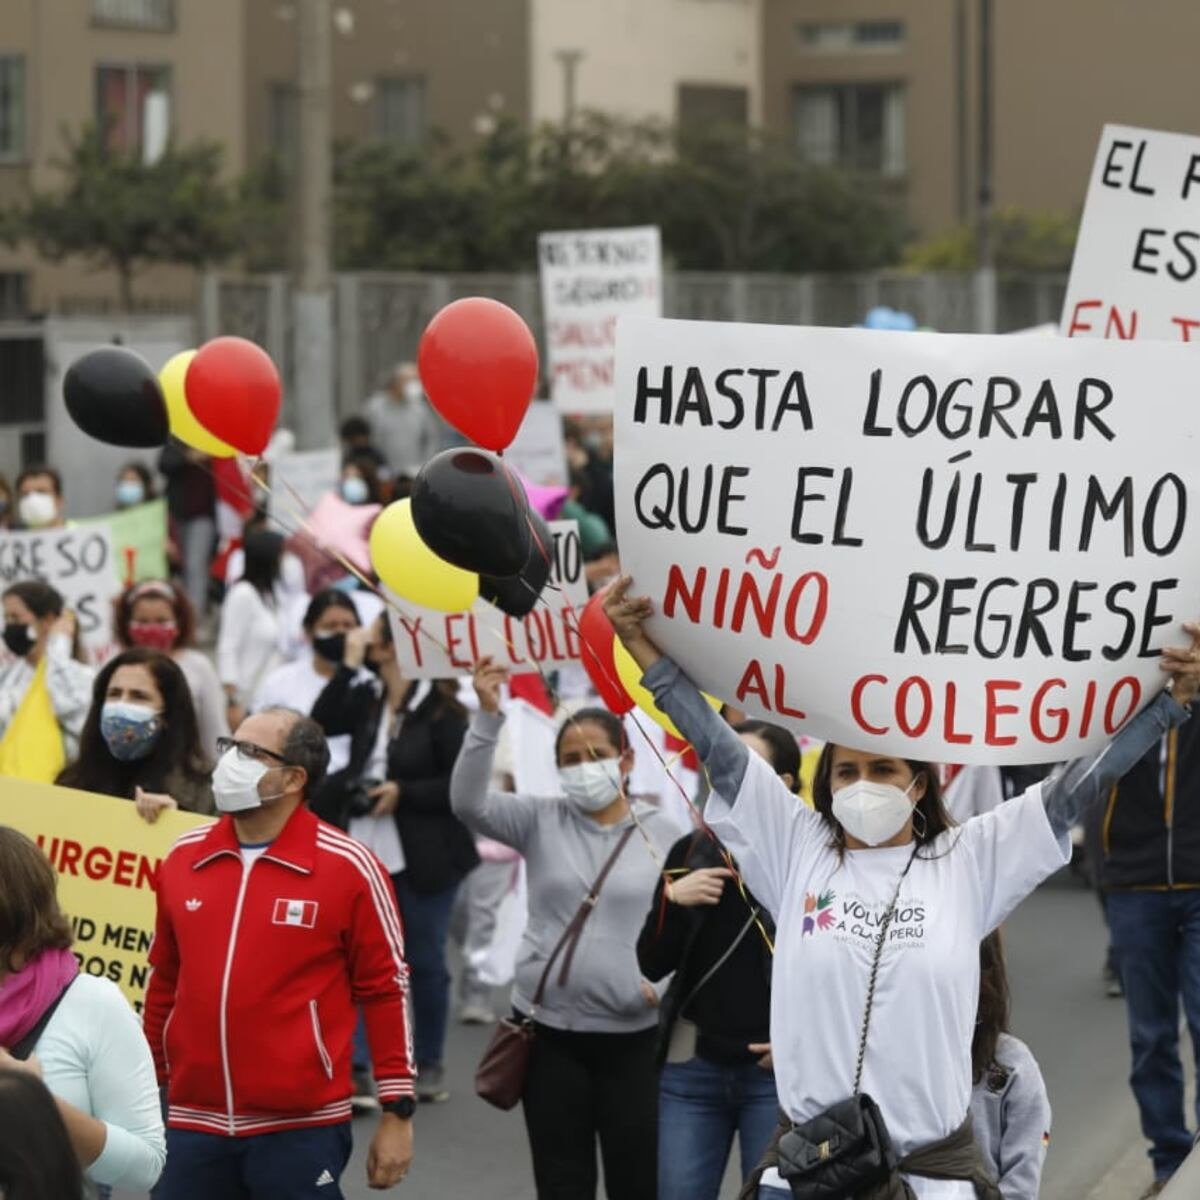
(107, 859)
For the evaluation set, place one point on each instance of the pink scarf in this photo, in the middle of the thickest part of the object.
(27, 993)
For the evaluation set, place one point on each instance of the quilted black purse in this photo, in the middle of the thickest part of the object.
(847, 1148)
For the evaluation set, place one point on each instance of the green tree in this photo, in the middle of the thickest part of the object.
(118, 212)
(725, 199)
(1021, 241)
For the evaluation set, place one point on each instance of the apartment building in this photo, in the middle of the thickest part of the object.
(891, 87)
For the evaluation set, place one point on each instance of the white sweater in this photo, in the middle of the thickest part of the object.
(248, 644)
(68, 681)
(95, 1057)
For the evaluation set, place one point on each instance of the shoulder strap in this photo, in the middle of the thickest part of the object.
(24, 1048)
(737, 941)
(883, 932)
(575, 926)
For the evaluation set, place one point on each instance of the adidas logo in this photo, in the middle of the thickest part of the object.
(192, 905)
(324, 1179)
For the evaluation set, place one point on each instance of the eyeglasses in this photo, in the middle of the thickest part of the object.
(250, 751)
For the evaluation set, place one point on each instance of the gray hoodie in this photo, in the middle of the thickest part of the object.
(564, 851)
(1011, 1114)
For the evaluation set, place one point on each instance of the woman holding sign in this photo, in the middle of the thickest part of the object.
(591, 863)
(44, 689)
(881, 905)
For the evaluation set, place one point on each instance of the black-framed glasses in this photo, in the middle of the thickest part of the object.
(250, 751)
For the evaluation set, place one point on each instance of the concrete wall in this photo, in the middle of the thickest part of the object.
(638, 52)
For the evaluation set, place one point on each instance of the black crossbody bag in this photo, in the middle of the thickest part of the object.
(847, 1147)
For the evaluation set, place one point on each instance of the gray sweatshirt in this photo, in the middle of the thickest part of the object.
(1011, 1114)
(564, 851)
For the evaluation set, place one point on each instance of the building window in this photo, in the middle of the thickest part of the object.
(283, 122)
(133, 109)
(22, 380)
(845, 37)
(135, 14)
(12, 107)
(400, 110)
(14, 295)
(858, 126)
(702, 106)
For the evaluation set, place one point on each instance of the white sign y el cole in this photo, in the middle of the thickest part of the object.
(591, 277)
(949, 547)
(438, 645)
(1136, 271)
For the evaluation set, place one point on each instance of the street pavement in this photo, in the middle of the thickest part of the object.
(1055, 943)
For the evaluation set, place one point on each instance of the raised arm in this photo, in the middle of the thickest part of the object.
(1072, 790)
(719, 748)
(499, 815)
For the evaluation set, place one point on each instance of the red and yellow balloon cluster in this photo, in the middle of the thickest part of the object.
(468, 529)
(612, 670)
(221, 399)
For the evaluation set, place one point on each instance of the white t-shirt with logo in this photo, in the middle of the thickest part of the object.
(828, 912)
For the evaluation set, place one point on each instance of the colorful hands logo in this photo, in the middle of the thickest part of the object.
(818, 912)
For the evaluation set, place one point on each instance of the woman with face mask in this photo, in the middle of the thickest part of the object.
(135, 486)
(140, 740)
(592, 1074)
(880, 853)
(44, 689)
(360, 482)
(159, 616)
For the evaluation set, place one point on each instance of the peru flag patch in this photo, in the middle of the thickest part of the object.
(302, 913)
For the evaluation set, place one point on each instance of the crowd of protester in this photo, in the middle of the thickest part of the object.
(682, 982)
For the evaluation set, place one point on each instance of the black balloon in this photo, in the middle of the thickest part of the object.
(517, 595)
(471, 511)
(114, 396)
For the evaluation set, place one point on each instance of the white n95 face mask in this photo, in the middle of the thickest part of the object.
(37, 509)
(872, 812)
(235, 783)
(592, 786)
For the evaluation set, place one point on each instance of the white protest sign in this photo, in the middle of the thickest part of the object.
(538, 451)
(1136, 271)
(79, 562)
(589, 279)
(300, 478)
(438, 645)
(939, 546)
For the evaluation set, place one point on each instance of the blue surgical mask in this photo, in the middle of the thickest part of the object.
(130, 731)
(130, 492)
(355, 490)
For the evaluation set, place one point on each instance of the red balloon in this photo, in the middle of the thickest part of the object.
(233, 390)
(596, 643)
(479, 367)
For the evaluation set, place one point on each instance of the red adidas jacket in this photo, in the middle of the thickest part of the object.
(250, 1009)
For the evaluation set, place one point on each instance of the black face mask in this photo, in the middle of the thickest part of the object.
(18, 639)
(331, 647)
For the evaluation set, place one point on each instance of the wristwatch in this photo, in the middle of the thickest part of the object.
(403, 1108)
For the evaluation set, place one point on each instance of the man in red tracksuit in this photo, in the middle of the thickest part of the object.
(272, 928)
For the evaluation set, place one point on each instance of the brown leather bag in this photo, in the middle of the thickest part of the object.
(500, 1076)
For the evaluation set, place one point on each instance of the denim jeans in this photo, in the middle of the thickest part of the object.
(701, 1105)
(426, 931)
(766, 1192)
(1156, 939)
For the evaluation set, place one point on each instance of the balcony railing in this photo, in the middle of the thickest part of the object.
(155, 15)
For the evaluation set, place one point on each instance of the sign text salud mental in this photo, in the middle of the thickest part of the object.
(950, 547)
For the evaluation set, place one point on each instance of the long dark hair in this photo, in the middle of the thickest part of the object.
(936, 819)
(37, 1161)
(323, 601)
(994, 1005)
(172, 593)
(177, 751)
(263, 551)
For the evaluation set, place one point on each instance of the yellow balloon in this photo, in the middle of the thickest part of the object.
(412, 570)
(630, 675)
(183, 425)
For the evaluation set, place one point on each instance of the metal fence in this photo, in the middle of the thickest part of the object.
(380, 316)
